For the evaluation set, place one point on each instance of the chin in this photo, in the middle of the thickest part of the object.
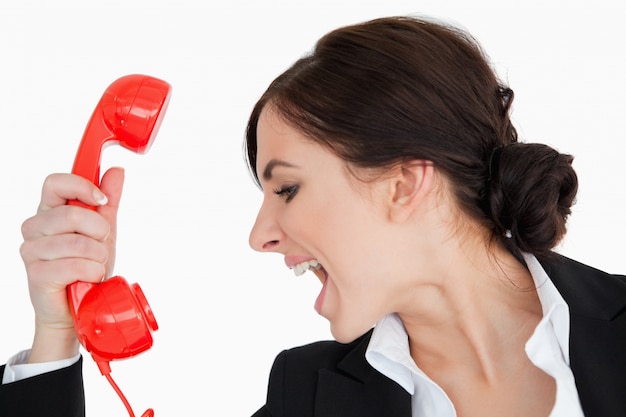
(347, 333)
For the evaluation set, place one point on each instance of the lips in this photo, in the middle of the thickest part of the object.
(291, 260)
(319, 302)
(301, 264)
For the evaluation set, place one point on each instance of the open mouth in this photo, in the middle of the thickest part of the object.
(302, 267)
(319, 271)
(311, 265)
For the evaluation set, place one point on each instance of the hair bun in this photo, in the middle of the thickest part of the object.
(531, 189)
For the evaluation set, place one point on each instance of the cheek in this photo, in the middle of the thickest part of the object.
(352, 310)
(361, 287)
(314, 218)
(302, 222)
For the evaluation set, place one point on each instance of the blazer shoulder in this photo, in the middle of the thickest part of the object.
(597, 302)
(332, 355)
(588, 291)
(294, 378)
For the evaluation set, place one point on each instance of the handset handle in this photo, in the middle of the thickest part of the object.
(113, 319)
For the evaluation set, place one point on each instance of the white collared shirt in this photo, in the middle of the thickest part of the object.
(547, 348)
(18, 368)
(388, 352)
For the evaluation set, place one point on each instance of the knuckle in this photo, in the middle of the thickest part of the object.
(25, 249)
(27, 227)
(86, 247)
(49, 180)
(72, 216)
(88, 270)
(36, 270)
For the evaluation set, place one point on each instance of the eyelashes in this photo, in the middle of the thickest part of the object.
(287, 192)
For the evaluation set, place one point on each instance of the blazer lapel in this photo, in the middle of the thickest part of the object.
(597, 303)
(358, 390)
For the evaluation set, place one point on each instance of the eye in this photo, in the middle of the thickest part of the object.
(287, 192)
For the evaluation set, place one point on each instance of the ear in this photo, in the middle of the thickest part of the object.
(411, 182)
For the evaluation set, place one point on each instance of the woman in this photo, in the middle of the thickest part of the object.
(390, 168)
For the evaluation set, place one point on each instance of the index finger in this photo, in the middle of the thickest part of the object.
(60, 188)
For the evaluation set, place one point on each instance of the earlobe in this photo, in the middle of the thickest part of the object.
(409, 186)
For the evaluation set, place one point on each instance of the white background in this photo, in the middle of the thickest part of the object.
(225, 311)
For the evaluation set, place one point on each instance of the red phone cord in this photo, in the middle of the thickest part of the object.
(148, 413)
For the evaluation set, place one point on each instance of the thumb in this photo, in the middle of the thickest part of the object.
(111, 185)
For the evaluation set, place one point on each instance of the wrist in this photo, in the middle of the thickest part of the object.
(53, 344)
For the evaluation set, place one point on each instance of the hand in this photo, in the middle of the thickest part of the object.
(63, 244)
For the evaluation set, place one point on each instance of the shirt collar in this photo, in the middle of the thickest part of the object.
(555, 309)
(388, 349)
(388, 352)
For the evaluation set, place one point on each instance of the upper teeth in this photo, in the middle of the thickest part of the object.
(302, 267)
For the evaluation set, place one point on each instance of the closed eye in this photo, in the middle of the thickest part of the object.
(287, 192)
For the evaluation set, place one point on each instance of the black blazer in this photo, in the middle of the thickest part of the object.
(329, 379)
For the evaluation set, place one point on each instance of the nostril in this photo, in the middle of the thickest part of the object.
(270, 245)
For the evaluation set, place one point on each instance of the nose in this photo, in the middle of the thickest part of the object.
(266, 234)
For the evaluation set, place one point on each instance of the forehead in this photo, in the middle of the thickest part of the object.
(277, 139)
(281, 145)
(271, 124)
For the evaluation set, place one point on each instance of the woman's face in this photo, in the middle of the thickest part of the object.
(323, 219)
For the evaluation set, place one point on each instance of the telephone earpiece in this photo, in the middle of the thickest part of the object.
(113, 319)
(129, 114)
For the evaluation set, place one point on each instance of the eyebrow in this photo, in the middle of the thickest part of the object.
(267, 172)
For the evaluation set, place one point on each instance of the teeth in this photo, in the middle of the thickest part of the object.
(302, 267)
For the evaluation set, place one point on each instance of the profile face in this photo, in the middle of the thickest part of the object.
(323, 219)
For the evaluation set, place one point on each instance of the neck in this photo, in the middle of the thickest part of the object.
(477, 308)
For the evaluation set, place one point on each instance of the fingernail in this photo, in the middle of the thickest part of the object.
(101, 199)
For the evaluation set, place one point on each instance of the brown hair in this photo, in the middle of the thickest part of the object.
(403, 88)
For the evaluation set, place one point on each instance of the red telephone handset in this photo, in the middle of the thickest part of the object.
(113, 319)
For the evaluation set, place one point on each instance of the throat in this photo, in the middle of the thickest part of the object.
(485, 339)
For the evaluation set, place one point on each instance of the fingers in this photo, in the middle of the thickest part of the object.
(58, 189)
(55, 275)
(66, 219)
(67, 243)
(64, 246)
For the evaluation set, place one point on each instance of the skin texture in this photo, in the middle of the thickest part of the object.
(63, 244)
(389, 242)
(398, 243)
(324, 220)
